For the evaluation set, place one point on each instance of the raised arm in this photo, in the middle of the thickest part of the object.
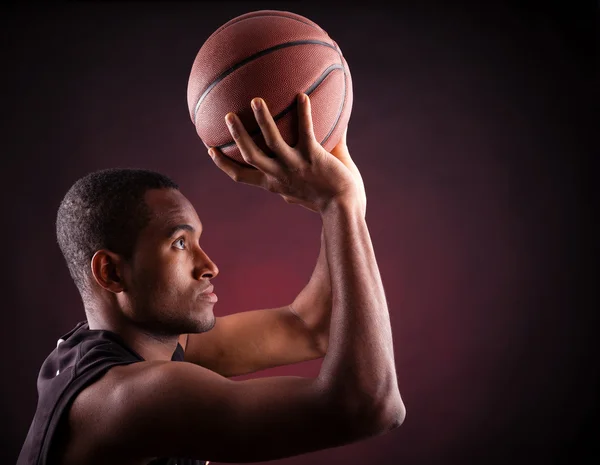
(253, 340)
(155, 409)
(313, 303)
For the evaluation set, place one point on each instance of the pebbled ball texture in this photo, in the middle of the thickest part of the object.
(273, 55)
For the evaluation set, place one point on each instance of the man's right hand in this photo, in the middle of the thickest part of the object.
(305, 174)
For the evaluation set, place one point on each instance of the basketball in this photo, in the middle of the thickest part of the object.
(274, 55)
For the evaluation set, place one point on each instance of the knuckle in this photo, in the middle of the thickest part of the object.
(260, 118)
(305, 138)
(270, 141)
(235, 133)
(303, 135)
(306, 144)
(274, 142)
(306, 132)
(274, 185)
(248, 157)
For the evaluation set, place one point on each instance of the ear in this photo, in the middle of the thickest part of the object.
(107, 270)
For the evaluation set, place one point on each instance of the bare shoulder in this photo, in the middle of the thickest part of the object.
(178, 409)
(83, 433)
(127, 415)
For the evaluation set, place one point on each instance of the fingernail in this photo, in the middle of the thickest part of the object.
(211, 152)
(256, 103)
(229, 118)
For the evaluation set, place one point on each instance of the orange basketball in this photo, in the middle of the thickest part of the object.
(273, 55)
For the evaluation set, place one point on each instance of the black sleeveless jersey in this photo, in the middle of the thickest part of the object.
(81, 357)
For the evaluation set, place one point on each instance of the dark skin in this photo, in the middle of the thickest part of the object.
(232, 345)
(153, 299)
(250, 341)
(157, 408)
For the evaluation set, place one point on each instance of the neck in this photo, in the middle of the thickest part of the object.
(150, 347)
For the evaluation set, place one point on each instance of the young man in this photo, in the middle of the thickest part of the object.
(109, 392)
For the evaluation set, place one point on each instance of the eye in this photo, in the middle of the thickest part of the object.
(180, 243)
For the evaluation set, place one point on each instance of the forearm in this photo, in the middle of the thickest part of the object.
(359, 364)
(313, 303)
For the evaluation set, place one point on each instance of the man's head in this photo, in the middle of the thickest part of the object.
(131, 242)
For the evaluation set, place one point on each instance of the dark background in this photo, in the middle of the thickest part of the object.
(474, 130)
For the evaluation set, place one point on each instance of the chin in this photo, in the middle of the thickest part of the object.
(205, 322)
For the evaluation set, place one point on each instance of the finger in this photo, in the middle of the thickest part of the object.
(235, 170)
(270, 132)
(306, 133)
(251, 153)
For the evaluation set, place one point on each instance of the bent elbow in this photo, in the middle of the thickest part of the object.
(382, 417)
(391, 417)
(389, 414)
(363, 414)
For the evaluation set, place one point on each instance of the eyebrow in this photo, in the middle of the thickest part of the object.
(179, 227)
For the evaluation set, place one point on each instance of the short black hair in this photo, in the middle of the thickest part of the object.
(104, 210)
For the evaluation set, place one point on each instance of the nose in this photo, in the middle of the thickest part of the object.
(204, 266)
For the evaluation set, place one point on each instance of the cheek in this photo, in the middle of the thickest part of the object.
(162, 274)
(166, 275)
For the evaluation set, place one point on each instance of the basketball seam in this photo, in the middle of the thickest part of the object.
(341, 110)
(337, 118)
(308, 91)
(234, 21)
(251, 58)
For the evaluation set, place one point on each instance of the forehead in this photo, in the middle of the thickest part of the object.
(169, 207)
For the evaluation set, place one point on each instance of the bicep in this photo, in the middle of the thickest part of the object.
(188, 411)
(250, 341)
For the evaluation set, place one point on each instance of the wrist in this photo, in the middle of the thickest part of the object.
(349, 203)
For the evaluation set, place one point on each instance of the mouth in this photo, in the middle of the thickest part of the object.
(208, 290)
(208, 294)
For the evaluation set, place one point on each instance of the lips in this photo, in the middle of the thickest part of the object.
(208, 290)
(208, 294)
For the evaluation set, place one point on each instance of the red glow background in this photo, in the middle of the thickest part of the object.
(473, 131)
